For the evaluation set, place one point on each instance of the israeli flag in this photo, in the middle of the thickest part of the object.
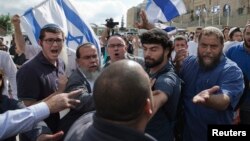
(164, 10)
(64, 14)
(169, 29)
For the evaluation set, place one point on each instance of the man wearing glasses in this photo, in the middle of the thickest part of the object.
(29, 50)
(117, 50)
(44, 74)
(88, 69)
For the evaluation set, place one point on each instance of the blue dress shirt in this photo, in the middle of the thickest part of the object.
(17, 121)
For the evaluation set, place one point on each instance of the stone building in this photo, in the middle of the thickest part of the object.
(217, 13)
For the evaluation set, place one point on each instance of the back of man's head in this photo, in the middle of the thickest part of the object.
(121, 91)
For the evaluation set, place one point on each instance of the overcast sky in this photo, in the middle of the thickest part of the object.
(95, 11)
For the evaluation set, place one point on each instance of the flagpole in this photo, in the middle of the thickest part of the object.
(181, 19)
(212, 11)
(199, 19)
(206, 20)
(219, 17)
(227, 18)
(206, 17)
(212, 18)
(228, 14)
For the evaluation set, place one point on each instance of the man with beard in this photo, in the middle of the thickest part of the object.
(157, 51)
(241, 55)
(117, 50)
(213, 86)
(88, 68)
(82, 78)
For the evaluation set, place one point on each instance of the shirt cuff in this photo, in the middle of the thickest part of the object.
(40, 110)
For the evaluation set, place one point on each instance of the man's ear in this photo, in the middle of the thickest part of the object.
(77, 61)
(149, 107)
(167, 51)
(40, 42)
(126, 47)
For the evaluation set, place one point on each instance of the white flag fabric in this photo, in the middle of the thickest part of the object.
(169, 29)
(164, 10)
(64, 14)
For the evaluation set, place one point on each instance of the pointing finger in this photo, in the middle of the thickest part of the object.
(75, 93)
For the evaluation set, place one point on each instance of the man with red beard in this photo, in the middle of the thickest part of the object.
(157, 51)
(241, 55)
(213, 86)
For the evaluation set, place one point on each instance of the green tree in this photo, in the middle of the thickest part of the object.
(5, 23)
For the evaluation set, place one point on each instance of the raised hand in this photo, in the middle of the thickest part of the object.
(15, 20)
(143, 24)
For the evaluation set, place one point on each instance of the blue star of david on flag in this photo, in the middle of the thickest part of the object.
(65, 15)
(77, 39)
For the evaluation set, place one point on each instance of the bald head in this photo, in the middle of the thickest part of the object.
(121, 91)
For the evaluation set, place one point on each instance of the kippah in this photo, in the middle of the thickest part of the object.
(232, 30)
(51, 25)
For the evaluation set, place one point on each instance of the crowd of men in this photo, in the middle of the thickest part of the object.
(171, 93)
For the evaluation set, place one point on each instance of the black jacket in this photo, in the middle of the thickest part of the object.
(84, 129)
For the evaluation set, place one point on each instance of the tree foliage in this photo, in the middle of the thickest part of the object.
(5, 23)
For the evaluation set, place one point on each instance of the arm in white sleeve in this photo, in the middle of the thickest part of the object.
(10, 71)
(17, 121)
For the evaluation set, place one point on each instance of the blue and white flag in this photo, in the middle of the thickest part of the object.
(64, 14)
(169, 29)
(164, 10)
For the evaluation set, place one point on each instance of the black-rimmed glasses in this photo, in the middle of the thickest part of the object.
(50, 41)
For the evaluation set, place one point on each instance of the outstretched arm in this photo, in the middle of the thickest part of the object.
(22, 120)
(160, 98)
(208, 98)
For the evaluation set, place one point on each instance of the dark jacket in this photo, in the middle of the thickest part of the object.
(76, 81)
(100, 130)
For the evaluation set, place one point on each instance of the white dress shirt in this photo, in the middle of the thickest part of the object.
(192, 48)
(13, 122)
(9, 69)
